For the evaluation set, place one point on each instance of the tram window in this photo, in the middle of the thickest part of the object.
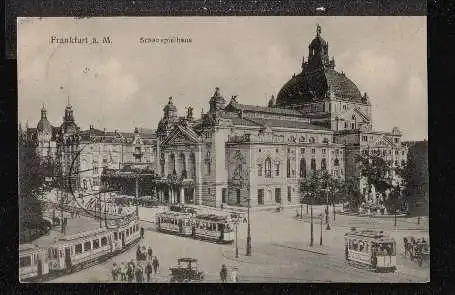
(115, 236)
(96, 244)
(355, 245)
(361, 246)
(366, 247)
(25, 261)
(78, 248)
(103, 241)
(87, 246)
(61, 253)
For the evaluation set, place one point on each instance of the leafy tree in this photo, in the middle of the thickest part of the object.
(315, 188)
(31, 187)
(378, 172)
(351, 193)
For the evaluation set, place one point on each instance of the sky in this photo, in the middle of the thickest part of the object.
(126, 84)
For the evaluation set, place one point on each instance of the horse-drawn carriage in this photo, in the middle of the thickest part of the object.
(418, 249)
(186, 271)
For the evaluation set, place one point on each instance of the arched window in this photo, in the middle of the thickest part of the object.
(403, 163)
(288, 167)
(172, 163)
(311, 139)
(336, 162)
(302, 167)
(323, 164)
(192, 168)
(268, 167)
(313, 164)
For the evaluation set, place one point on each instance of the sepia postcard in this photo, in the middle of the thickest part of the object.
(223, 149)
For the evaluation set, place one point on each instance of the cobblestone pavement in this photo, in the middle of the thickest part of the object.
(280, 253)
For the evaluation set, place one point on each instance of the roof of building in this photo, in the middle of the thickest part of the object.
(235, 106)
(44, 125)
(293, 124)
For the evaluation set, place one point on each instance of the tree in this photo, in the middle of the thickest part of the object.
(351, 193)
(316, 187)
(378, 172)
(31, 188)
(416, 180)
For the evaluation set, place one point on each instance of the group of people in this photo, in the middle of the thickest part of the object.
(142, 270)
(224, 274)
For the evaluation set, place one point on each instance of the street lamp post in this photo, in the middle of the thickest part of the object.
(327, 209)
(236, 239)
(311, 224)
(320, 239)
(248, 237)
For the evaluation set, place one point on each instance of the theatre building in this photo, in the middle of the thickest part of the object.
(319, 120)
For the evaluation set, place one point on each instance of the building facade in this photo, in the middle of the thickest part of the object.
(237, 153)
(81, 155)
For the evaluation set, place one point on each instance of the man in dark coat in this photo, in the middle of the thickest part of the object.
(155, 264)
(223, 273)
(148, 270)
(150, 253)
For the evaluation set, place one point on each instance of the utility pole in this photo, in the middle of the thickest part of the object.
(137, 196)
(301, 210)
(236, 239)
(311, 226)
(320, 240)
(248, 237)
(327, 209)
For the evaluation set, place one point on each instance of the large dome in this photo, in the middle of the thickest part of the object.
(44, 126)
(304, 88)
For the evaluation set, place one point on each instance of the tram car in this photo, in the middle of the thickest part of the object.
(371, 248)
(75, 252)
(33, 262)
(174, 222)
(214, 228)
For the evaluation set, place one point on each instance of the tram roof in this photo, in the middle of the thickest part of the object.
(82, 235)
(174, 213)
(377, 235)
(212, 217)
(28, 247)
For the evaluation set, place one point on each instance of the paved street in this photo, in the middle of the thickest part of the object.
(281, 253)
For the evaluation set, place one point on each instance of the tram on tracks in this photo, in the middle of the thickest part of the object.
(175, 223)
(75, 252)
(210, 227)
(373, 249)
(33, 262)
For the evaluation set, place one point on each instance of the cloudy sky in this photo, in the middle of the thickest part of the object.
(126, 84)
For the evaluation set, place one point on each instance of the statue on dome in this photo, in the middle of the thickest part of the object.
(318, 30)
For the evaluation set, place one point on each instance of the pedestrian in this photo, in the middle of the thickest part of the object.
(123, 270)
(142, 232)
(114, 271)
(223, 273)
(148, 270)
(130, 272)
(138, 252)
(139, 273)
(155, 264)
(235, 275)
(150, 253)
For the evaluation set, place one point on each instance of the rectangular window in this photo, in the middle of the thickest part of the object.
(261, 196)
(87, 246)
(313, 151)
(115, 236)
(96, 244)
(260, 170)
(289, 193)
(323, 151)
(78, 249)
(277, 195)
(103, 241)
(302, 150)
(208, 191)
(25, 261)
(277, 170)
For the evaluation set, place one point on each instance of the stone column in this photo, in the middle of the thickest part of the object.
(171, 196)
(182, 195)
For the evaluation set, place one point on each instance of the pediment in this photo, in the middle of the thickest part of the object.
(383, 141)
(180, 136)
(347, 115)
